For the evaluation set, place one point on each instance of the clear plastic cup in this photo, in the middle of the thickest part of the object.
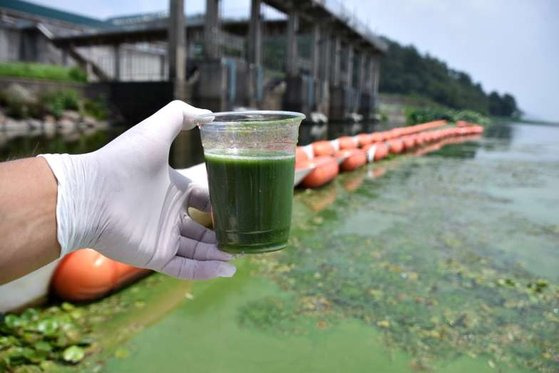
(250, 159)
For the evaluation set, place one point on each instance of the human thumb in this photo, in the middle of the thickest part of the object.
(174, 117)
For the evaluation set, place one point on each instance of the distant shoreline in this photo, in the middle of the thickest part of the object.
(541, 122)
(526, 121)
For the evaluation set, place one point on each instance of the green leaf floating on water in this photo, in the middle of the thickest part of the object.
(43, 346)
(48, 327)
(73, 354)
(67, 306)
(12, 321)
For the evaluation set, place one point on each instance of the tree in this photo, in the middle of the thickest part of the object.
(406, 71)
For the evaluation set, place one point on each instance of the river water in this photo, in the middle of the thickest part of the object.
(448, 262)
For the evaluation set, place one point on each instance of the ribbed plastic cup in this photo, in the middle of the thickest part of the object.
(250, 159)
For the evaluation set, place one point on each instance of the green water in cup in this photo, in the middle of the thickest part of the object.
(250, 160)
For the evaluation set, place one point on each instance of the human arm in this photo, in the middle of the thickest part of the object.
(27, 217)
(125, 201)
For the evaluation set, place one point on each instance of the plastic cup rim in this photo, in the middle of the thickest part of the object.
(284, 116)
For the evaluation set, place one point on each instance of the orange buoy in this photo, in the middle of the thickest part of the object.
(87, 275)
(396, 132)
(300, 155)
(301, 164)
(429, 137)
(363, 139)
(323, 148)
(462, 131)
(477, 129)
(347, 142)
(380, 152)
(326, 169)
(383, 136)
(354, 158)
(376, 137)
(302, 169)
(409, 142)
(395, 146)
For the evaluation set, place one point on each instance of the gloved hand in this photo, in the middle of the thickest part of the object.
(125, 201)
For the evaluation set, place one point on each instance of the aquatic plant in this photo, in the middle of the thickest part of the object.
(438, 296)
(40, 337)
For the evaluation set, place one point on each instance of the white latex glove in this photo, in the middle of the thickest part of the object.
(125, 201)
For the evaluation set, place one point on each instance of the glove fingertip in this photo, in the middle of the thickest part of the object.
(226, 270)
(198, 117)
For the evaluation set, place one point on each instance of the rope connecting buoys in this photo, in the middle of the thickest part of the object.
(352, 152)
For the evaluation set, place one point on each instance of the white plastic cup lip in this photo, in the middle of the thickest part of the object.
(249, 116)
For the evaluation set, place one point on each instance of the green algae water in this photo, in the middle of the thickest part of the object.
(444, 263)
(251, 200)
(441, 263)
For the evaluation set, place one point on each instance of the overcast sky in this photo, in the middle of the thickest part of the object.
(507, 45)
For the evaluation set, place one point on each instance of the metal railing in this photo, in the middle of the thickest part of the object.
(341, 11)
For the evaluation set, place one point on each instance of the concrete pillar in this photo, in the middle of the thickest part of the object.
(323, 102)
(361, 84)
(292, 26)
(325, 55)
(177, 48)
(254, 52)
(315, 52)
(335, 74)
(349, 66)
(162, 67)
(376, 74)
(368, 72)
(212, 44)
(361, 72)
(116, 62)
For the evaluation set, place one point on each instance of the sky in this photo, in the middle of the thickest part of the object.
(507, 45)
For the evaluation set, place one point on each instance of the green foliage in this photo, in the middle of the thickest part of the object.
(73, 354)
(503, 106)
(472, 117)
(406, 71)
(96, 108)
(55, 102)
(35, 337)
(416, 115)
(19, 101)
(42, 71)
(426, 114)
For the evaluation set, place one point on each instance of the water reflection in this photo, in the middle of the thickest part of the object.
(26, 143)
(464, 147)
(354, 179)
(321, 198)
(186, 150)
(376, 171)
(501, 132)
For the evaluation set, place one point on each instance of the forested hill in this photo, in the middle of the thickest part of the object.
(405, 71)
